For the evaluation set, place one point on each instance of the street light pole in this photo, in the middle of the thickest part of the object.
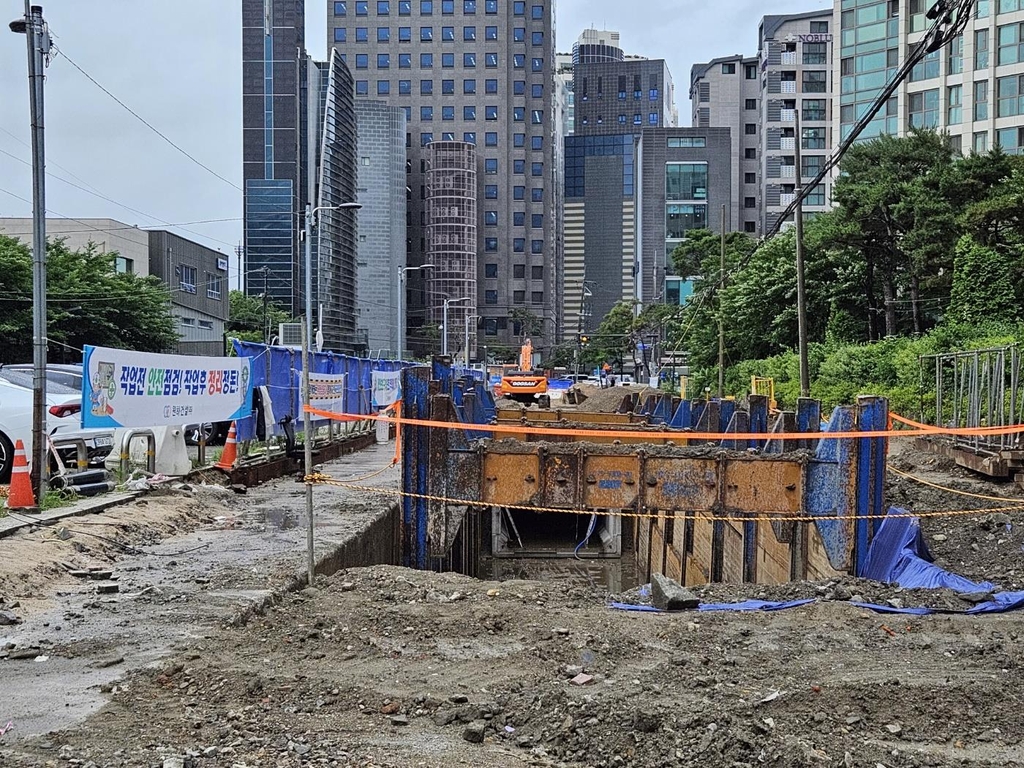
(37, 39)
(444, 320)
(307, 417)
(399, 314)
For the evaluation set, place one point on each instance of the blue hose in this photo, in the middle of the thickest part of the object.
(590, 532)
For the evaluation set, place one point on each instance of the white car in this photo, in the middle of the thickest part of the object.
(63, 419)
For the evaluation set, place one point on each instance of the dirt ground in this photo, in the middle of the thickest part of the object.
(387, 667)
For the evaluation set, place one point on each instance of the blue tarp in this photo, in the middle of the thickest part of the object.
(897, 554)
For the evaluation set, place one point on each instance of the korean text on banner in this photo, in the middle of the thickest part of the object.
(327, 391)
(387, 388)
(140, 389)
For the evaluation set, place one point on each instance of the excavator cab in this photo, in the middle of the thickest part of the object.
(524, 385)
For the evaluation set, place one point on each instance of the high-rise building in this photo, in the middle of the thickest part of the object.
(970, 88)
(796, 80)
(381, 249)
(480, 73)
(726, 93)
(298, 144)
(616, 99)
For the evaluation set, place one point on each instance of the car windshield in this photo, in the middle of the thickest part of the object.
(57, 382)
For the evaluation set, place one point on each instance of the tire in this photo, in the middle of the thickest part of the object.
(192, 433)
(6, 459)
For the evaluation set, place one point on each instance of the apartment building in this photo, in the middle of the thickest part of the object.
(726, 93)
(971, 88)
(796, 61)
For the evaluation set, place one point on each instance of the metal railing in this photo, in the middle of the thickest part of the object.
(126, 443)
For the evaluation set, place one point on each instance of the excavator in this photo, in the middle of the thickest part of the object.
(523, 384)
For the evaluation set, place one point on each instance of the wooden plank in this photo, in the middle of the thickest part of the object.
(772, 557)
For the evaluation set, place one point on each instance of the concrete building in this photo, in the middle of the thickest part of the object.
(198, 278)
(382, 226)
(480, 72)
(298, 144)
(795, 55)
(685, 178)
(130, 243)
(726, 93)
(970, 88)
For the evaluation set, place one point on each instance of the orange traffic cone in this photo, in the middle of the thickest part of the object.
(20, 495)
(227, 458)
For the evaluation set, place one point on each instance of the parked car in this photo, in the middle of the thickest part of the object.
(64, 407)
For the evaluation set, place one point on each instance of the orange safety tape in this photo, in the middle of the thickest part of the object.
(770, 517)
(675, 435)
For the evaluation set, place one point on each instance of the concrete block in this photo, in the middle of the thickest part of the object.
(668, 595)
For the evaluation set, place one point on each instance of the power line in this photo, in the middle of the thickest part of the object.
(142, 120)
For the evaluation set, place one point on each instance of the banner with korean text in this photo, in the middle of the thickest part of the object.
(327, 391)
(387, 388)
(142, 389)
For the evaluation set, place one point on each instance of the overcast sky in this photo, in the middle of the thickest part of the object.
(178, 64)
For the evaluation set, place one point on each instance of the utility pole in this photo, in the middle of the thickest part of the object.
(801, 295)
(307, 469)
(37, 38)
(721, 317)
(266, 307)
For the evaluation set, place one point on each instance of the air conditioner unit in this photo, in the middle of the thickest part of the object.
(290, 335)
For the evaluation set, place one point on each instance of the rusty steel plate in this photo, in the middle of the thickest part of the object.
(681, 483)
(763, 486)
(561, 480)
(610, 482)
(510, 479)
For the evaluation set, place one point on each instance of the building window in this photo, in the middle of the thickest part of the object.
(426, 7)
(750, 202)
(519, 140)
(404, 87)
(519, 219)
(750, 104)
(490, 297)
(955, 62)
(426, 34)
(518, 297)
(404, 7)
(447, 34)
(1009, 6)
(469, 112)
(981, 49)
(814, 81)
(751, 71)
(750, 178)
(340, 8)
(729, 68)
(469, 86)
(469, 60)
(686, 181)
(750, 226)
(491, 270)
(750, 153)
(426, 113)
(811, 165)
(652, 118)
(981, 100)
(448, 87)
(469, 137)
(124, 266)
(187, 277)
(212, 287)
(954, 104)
(816, 196)
(519, 35)
(383, 61)
(813, 138)
(490, 112)
(537, 38)
(362, 60)
(536, 143)
(537, 90)
(681, 142)
(426, 138)
(1010, 96)
(519, 246)
(490, 164)
(426, 60)
(340, 35)
(362, 7)
(469, 34)
(927, 68)
(537, 65)
(405, 61)
(490, 33)
(490, 86)
(362, 87)
(537, 194)
(491, 191)
(681, 218)
(815, 53)
(426, 87)
(490, 7)
(519, 167)
(537, 297)
(519, 271)
(518, 8)
(490, 327)
(518, 192)
(362, 34)
(537, 169)
(383, 35)
(819, 27)
(981, 142)
(491, 244)
(190, 321)
(1009, 140)
(447, 7)
(1011, 44)
(814, 109)
(924, 109)
(537, 220)
(536, 246)
(490, 60)
(469, 6)
(383, 87)
(491, 218)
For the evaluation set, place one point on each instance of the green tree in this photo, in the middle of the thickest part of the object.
(88, 302)
(246, 320)
(983, 288)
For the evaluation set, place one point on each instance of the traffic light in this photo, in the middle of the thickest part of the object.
(584, 340)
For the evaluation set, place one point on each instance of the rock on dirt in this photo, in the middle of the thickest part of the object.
(668, 595)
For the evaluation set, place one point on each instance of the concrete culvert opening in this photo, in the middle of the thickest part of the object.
(518, 532)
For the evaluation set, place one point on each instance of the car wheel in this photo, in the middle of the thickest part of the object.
(6, 459)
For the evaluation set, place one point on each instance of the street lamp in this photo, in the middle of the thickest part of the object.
(307, 417)
(400, 326)
(444, 333)
(466, 352)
